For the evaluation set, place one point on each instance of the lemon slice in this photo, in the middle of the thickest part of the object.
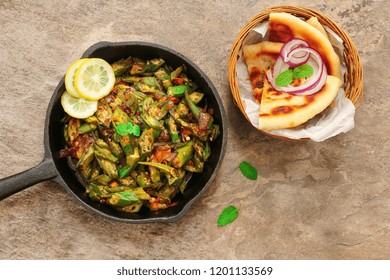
(78, 107)
(94, 79)
(69, 77)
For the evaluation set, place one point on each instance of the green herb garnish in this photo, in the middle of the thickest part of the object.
(130, 196)
(303, 71)
(248, 170)
(286, 77)
(128, 128)
(228, 215)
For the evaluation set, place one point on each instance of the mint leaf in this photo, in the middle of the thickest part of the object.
(303, 71)
(284, 78)
(129, 196)
(136, 130)
(228, 215)
(121, 129)
(248, 170)
(128, 128)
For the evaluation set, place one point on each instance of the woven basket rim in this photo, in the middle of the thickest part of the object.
(353, 78)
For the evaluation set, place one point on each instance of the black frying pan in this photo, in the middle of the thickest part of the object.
(58, 170)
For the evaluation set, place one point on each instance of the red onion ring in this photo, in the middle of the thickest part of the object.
(299, 57)
(313, 84)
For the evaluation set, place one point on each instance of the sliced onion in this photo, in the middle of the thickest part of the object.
(280, 66)
(292, 44)
(313, 84)
(299, 57)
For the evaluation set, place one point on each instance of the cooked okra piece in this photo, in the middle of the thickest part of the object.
(104, 153)
(167, 192)
(119, 116)
(131, 160)
(102, 179)
(173, 132)
(115, 189)
(127, 142)
(215, 132)
(153, 65)
(178, 91)
(204, 119)
(108, 166)
(123, 198)
(154, 174)
(196, 97)
(176, 180)
(145, 142)
(104, 114)
(198, 133)
(164, 76)
(132, 208)
(141, 194)
(124, 171)
(158, 109)
(184, 154)
(66, 134)
(95, 169)
(122, 66)
(198, 163)
(176, 73)
(128, 182)
(206, 152)
(86, 158)
(87, 128)
(143, 179)
(198, 147)
(73, 128)
(162, 167)
(116, 149)
(182, 110)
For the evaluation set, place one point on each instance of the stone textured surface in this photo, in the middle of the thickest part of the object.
(328, 200)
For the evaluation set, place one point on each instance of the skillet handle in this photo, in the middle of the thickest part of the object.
(45, 170)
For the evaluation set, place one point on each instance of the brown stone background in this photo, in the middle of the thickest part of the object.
(328, 200)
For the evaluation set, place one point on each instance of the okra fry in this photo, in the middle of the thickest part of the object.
(147, 138)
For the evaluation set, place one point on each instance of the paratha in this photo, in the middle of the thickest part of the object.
(259, 58)
(262, 56)
(279, 110)
(313, 21)
(284, 27)
(283, 110)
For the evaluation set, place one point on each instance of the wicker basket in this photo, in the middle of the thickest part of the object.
(353, 77)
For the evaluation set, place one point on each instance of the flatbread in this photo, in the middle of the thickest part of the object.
(262, 56)
(284, 27)
(283, 110)
(278, 109)
(259, 58)
(313, 21)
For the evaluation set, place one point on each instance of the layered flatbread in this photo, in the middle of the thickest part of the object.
(284, 27)
(278, 109)
(313, 21)
(283, 110)
(262, 56)
(259, 58)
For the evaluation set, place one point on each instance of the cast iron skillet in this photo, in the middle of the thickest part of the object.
(57, 169)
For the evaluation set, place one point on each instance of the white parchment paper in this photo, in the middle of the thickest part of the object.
(332, 121)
